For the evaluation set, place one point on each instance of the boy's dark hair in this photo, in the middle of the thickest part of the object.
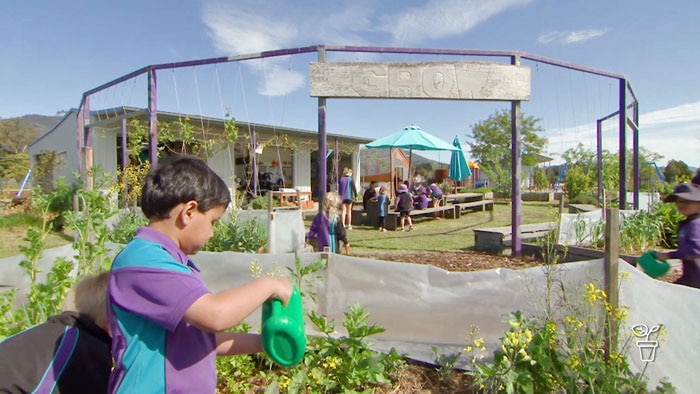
(182, 179)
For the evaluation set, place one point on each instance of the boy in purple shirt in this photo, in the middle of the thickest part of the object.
(167, 327)
(687, 199)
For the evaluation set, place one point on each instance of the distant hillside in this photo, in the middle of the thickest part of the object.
(40, 123)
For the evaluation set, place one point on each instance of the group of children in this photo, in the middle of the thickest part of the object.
(150, 325)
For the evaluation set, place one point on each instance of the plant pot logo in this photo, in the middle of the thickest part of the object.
(647, 347)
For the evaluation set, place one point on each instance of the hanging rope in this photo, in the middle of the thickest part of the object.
(199, 104)
(249, 190)
(274, 128)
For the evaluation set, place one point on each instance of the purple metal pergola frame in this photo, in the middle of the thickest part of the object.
(84, 128)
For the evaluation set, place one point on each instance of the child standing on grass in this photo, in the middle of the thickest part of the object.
(348, 192)
(404, 205)
(326, 228)
(687, 199)
(167, 327)
(382, 208)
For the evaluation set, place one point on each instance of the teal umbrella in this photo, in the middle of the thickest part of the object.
(459, 169)
(411, 137)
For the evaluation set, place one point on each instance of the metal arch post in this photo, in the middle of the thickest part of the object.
(599, 157)
(322, 146)
(152, 118)
(622, 125)
(516, 124)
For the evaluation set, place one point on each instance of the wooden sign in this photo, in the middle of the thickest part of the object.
(428, 80)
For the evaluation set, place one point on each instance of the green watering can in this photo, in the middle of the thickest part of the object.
(652, 266)
(283, 335)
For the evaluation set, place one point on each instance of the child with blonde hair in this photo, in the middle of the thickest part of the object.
(326, 227)
(348, 193)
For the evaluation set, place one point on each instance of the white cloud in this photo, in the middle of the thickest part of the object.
(246, 27)
(442, 18)
(570, 37)
(673, 133)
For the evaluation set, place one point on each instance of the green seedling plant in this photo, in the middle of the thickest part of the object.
(43, 299)
(88, 225)
(331, 365)
(446, 366)
(344, 364)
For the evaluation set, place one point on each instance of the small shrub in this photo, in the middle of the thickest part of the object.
(584, 199)
(234, 234)
(128, 222)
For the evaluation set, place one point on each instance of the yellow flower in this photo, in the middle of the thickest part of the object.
(284, 382)
(573, 361)
(330, 362)
(551, 327)
(593, 294)
(479, 342)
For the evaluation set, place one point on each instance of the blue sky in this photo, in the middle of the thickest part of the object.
(53, 51)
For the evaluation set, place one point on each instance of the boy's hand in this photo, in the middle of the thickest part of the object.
(283, 288)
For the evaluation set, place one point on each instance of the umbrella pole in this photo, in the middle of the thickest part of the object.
(391, 174)
(410, 159)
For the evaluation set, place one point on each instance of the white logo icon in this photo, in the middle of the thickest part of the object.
(647, 347)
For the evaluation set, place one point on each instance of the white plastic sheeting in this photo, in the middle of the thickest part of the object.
(585, 228)
(288, 228)
(422, 306)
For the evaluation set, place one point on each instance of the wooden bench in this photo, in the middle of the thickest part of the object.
(392, 220)
(481, 205)
(579, 208)
(456, 198)
(496, 239)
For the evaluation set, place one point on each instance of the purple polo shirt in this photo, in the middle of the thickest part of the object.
(152, 284)
(689, 251)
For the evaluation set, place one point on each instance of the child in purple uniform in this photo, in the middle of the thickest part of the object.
(326, 228)
(422, 198)
(404, 205)
(167, 327)
(382, 207)
(687, 199)
(348, 192)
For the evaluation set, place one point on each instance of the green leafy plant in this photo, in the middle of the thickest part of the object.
(237, 235)
(42, 299)
(128, 221)
(344, 364)
(88, 225)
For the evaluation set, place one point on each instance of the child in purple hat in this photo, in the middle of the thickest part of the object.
(687, 199)
(404, 205)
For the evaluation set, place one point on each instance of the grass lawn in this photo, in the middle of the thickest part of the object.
(11, 240)
(428, 235)
(431, 235)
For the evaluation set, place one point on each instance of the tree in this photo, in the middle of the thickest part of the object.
(676, 171)
(490, 144)
(14, 136)
(14, 142)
